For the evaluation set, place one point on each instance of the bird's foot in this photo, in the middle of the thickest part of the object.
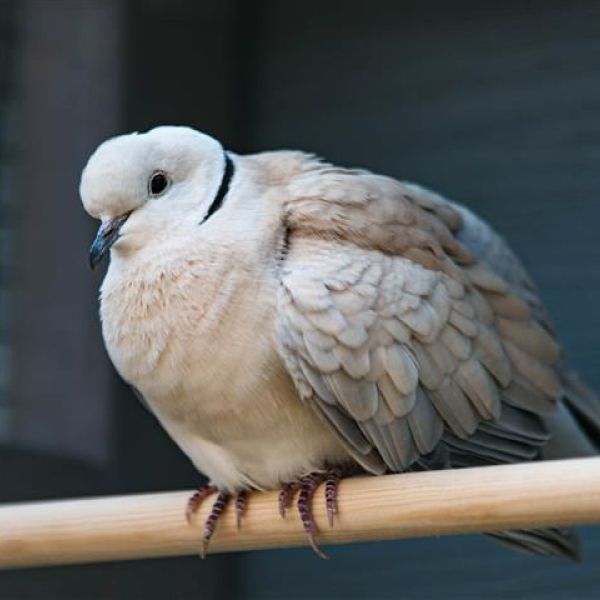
(196, 500)
(306, 488)
(210, 524)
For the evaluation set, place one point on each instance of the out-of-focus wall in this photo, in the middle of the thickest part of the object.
(68, 100)
(494, 104)
(8, 169)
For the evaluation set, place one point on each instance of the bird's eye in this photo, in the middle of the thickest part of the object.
(158, 183)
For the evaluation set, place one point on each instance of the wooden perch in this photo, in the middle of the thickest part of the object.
(370, 508)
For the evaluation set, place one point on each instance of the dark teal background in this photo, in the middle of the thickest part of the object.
(494, 104)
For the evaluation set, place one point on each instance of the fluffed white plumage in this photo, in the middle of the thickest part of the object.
(188, 311)
(319, 317)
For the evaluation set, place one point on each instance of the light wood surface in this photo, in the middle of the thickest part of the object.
(370, 508)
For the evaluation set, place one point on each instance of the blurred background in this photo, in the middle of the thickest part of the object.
(496, 105)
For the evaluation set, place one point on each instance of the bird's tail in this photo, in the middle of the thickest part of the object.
(575, 427)
(575, 432)
(556, 542)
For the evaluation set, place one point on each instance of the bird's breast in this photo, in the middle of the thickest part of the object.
(200, 347)
(186, 323)
(266, 438)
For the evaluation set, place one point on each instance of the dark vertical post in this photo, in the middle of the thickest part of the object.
(70, 101)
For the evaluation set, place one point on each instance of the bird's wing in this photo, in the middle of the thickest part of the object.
(399, 336)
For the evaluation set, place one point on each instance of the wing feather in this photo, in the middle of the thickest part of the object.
(403, 332)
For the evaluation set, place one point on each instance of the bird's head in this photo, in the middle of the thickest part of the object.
(140, 185)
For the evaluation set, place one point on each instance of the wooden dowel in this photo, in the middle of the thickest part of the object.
(370, 508)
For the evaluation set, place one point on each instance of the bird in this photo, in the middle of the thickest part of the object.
(290, 322)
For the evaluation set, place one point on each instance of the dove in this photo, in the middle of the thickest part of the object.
(290, 323)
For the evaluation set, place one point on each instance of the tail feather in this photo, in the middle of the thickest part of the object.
(575, 426)
(584, 404)
(575, 432)
(555, 542)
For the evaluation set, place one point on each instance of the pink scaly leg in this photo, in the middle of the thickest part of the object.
(332, 482)
(194, 503)
(196, 500)
(308, 486)
(286, 495)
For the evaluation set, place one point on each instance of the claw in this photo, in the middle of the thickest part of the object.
(315, 547)
(308, 486)
(204, 547)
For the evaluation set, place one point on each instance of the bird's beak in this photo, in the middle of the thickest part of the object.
(107, 235)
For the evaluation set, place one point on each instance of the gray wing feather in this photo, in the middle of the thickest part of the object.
(418, 334)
